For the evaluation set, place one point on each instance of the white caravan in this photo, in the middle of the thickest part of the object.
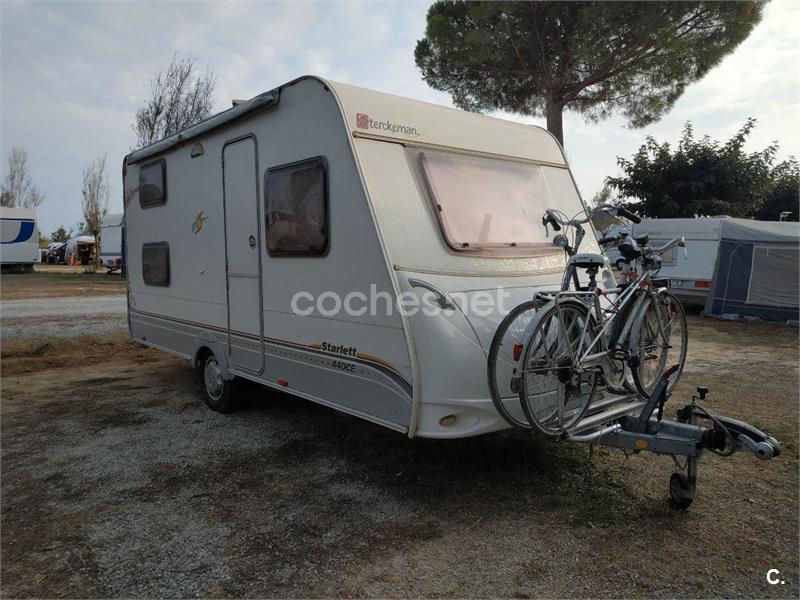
(111, 234)
(19, 238)
(80, 250)
(273, 242)
(691, 273)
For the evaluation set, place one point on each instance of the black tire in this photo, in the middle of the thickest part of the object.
(553, 388)
(501, 359)
(680, 492)
(672, 350)
(218, 392)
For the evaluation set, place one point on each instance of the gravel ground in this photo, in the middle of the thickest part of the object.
(118, 482)
(62, 317)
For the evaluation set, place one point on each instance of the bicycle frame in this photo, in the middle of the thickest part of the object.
(634, 292)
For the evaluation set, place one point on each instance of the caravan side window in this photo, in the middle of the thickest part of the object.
(297, 208)
(153, 184)
(155, 263)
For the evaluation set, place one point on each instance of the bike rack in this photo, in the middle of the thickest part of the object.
(628, 422)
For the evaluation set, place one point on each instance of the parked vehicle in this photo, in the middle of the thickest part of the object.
(111, 236)
(19, 238)
(283, 241)
(55, 253)
(318, 190)
(690, 273)
(80, 250)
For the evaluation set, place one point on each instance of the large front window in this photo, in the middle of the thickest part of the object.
(488, 204)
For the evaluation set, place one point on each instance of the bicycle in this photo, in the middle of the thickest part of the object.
(567, 344)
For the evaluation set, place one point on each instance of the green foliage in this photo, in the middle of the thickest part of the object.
(783, 193)
(701, 177)
(60, 235)
(596, 58)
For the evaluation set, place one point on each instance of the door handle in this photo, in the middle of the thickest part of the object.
(252, 241)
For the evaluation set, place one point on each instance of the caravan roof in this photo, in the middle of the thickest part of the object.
(378, 115)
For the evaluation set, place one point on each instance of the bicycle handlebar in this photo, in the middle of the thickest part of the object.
(552, 217)
(678, 241)
(624, 212)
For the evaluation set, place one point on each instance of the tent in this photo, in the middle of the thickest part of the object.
(757, 270)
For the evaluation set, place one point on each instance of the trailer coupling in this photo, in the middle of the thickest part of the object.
(694, 431)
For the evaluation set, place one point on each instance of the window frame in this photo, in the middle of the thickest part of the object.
(323, 164)
(163, 163)
(158, 245)
(415, 156)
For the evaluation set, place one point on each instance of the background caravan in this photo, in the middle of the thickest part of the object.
(111, 235)
(19, 238)
(690, 274)
(274, 241)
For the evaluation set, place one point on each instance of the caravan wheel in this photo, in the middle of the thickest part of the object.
(217, 391)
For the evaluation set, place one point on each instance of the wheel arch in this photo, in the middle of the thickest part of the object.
(214, 347)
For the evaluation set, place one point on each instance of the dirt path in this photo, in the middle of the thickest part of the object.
(117, 481)
(62, 317)
(56, 281)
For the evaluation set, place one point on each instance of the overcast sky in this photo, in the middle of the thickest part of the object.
(73, 75)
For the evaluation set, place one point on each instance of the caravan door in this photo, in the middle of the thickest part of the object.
(243, 253)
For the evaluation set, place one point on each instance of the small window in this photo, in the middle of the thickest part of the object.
(153, 184)
(297, 208)
(155, 263)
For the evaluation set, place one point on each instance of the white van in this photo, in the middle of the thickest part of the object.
(273, 242)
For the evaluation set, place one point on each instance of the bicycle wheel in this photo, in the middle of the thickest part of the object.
(504, 381)
(657, 349)
(555, 394)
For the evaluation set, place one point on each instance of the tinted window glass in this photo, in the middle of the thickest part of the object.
(297, 206)
(155, 263)
(152, 184)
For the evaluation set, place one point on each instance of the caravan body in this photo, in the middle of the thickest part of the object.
(19, 237)
(280, 236)
(691, 273)
(111, 235)
(80, 250)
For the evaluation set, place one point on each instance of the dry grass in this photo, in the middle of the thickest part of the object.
(117, 481)
(56, 281)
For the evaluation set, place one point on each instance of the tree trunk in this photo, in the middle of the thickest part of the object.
(555, 124)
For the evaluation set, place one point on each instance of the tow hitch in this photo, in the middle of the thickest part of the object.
(694, 431)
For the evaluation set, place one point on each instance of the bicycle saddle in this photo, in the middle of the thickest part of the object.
(587, 260)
